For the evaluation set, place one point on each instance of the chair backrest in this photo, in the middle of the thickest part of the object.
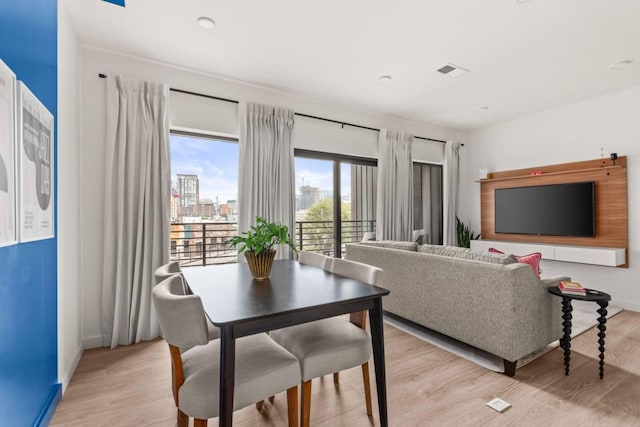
(315, 259)
(167, 270)
(356, 270)
(181, 317)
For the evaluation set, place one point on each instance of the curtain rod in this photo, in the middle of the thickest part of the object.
(343, 124)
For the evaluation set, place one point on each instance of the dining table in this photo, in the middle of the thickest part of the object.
(293, 294)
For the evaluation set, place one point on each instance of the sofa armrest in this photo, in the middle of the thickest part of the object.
(537, 317)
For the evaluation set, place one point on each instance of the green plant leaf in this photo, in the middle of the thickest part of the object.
(262, 237)
(465, 234)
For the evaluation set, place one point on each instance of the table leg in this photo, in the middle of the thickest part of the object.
(565, 342)
(602, 327)
(377, 340)
(227, 375)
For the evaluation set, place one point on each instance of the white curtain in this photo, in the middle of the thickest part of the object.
(266, 181)
(136, 229)
(394, 213)
(450, 192)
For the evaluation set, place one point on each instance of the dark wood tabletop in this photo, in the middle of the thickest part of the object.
(229, 294)
(292, 295)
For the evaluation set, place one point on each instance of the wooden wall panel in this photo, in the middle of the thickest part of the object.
(610, 200)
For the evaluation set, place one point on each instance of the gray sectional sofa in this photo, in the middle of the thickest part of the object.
(495, 303)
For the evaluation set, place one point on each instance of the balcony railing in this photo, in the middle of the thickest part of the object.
(318, 236)
(204, 243)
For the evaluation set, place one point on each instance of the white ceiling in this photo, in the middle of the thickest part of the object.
(523, 58)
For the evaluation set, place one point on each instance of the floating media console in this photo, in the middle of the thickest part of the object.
(610, 257)
(603, 244)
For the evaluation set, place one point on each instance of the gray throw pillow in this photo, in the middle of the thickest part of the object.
(501, 259)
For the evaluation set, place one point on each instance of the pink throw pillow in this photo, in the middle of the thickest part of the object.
(532, 259)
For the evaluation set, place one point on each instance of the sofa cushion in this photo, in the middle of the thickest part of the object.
(442, 250)
(466, 253)
(392, 244)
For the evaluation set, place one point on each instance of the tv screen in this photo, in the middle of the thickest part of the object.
(549, 210)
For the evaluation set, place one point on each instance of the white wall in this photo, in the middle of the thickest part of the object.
(68, 203)
(567, 134)
(212, 116)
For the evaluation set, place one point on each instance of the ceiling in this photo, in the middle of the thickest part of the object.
(523, 57)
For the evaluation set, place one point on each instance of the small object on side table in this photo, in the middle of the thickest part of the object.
(602, 299)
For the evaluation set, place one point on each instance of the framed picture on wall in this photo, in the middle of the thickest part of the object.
(8, 235)
(35, 164)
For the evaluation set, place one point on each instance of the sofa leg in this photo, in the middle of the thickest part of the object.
(509, 367)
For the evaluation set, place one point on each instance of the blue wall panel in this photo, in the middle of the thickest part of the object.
(29, 389)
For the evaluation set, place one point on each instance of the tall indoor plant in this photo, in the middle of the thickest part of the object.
(465, 234)
(258, 245)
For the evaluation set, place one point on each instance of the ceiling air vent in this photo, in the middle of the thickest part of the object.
(452, 70)
(116, 2)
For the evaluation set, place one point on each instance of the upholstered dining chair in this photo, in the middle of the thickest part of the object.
(329, 346)
(315, 259)
(263, 368)
(166, 270)
(171, 269)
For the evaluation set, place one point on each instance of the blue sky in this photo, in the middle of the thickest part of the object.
(216, 164)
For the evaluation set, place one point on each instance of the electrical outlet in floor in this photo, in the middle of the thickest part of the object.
(498, 404)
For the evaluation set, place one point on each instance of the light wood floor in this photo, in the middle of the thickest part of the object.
(130, 386)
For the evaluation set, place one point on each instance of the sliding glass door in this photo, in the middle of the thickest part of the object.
(358, 189)
(427, 202)
(329, 187)
(314, 205)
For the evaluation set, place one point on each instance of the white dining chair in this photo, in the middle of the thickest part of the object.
(329, 346)
(166, 270)
(315, 259)
(263, 368)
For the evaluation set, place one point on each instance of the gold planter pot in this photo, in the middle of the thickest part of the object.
(260, 265)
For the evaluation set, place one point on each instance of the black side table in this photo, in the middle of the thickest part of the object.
(598, 297)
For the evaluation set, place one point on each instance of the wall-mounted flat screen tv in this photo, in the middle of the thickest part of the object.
(547, 210)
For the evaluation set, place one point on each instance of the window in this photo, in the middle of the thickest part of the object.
(331, 186)
(204, 194)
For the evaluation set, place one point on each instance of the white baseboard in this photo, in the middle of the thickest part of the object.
(625, 305)
(93, 342)
(72, 369)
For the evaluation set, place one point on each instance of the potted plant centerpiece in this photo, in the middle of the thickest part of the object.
(258, 243)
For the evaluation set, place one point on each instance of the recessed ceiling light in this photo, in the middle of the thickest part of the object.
(620, 64)
(384, 79)
(206, 23)
(484, 107)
